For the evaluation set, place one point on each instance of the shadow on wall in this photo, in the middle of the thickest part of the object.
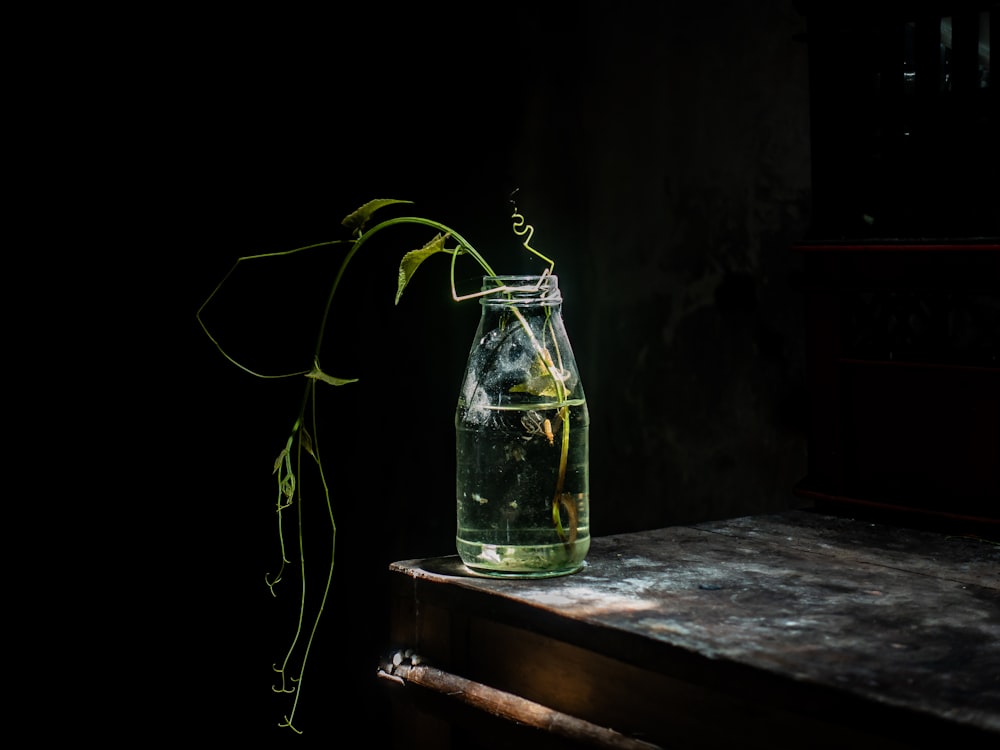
(668, 156)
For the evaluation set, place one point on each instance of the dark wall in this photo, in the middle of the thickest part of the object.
(662, 155)
(668, 158)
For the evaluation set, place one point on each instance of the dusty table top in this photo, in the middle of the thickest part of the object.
(893, 615)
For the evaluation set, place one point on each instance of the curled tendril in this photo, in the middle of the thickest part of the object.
(285, 678)
(521, 228)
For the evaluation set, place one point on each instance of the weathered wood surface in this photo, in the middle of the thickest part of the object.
(866, 616)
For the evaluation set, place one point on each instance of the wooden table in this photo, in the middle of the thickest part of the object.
(790, 630)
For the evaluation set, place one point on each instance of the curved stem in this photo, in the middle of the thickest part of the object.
(329, 576)
(219, 286)
(561, 394)
(309, 398)
(465, 245)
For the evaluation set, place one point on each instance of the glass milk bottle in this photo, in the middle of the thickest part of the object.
(522, 426)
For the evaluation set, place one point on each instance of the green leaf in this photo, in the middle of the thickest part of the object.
(412, 260)
(356, 221)
(318, 374)
(540, 381)
(542, 385)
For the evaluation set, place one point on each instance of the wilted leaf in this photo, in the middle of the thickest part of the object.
(412, 260)
(318, 374)
(356, 221)
(284, 454)
(278, 460)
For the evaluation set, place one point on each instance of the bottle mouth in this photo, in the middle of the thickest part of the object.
(522, 289)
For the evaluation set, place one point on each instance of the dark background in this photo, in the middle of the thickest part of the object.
(662, 154)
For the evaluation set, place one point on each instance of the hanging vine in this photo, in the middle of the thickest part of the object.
(302, 443)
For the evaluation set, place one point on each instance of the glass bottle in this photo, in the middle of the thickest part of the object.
(522, 427)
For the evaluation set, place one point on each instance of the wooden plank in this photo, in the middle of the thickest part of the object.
(805, 607)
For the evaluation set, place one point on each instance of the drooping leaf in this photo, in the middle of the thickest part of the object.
(357, 221)
(412, 260)
(317, 374)
(281, 456)
(307, 443)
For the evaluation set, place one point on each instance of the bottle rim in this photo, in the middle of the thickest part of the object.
(521, 289)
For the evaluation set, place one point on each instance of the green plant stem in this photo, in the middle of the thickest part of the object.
(297, 689)
(564, 443)
(465, 245)
(313, 449)
(225, 278)
(310, 398)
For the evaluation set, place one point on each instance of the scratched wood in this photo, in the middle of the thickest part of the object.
(832, 622)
